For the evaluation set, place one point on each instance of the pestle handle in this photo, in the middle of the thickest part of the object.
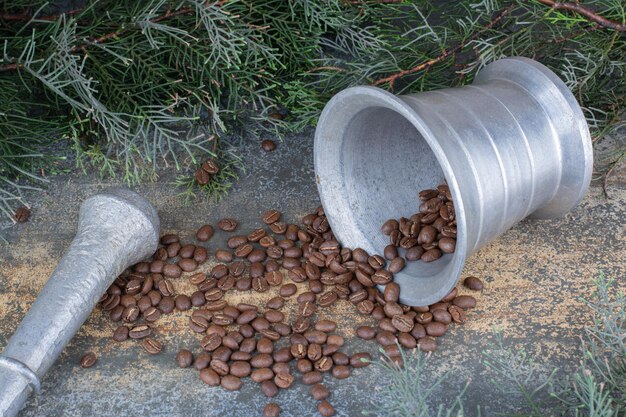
(116, 229)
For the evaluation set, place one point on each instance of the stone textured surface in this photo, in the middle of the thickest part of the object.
(534, 276)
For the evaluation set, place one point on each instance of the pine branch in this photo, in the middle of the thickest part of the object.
(586, 13)
(391, 79)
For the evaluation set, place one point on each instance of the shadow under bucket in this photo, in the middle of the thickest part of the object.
(514, 143)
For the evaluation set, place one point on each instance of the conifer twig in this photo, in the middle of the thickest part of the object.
(391, 79)
(585, 12)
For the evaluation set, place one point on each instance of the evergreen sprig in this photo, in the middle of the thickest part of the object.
(129, 84)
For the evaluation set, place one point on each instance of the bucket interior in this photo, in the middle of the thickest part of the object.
(381, 161)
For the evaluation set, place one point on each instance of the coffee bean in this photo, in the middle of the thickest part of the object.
(366, 332)
(172, 249)
(427, 344)
(431, 255)
(306, 309)
(184, 358)
(211, 342)
(271, 409)
(169, 238)
(385, 338)
(223, 255)
(259, 284)
(390, 252)
(268, 145)
(392, 292)
(152, 346)
(262, 374)
(172, 271)
(447, 244)
(187, 265)
(327, 299)
(271, 216)
(473, 283)
(219, 366)
(341, 372)
(464, 301)
(360, 360)
(442, 316)
(435, 329)
(227, 224)
(301, 324)
(261, 360)
(209, 377)
(402, 322)
(140, 331)
(269, 389)
(231, 383)
(325, 326)
(325, 409)
(389, 226)
(283, 380)
(279, 228)
(407, 341)
(457, 314)
(396, 265)
(365, 307)
(257, 269)
(312, 377)
(88, 360)
(151, 314)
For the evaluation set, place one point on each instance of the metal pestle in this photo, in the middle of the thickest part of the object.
(116, 229)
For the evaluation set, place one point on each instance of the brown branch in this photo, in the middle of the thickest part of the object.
(391, 79)
(585, 12)
(575, 34)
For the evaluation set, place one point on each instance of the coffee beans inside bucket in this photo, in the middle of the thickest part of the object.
(427, 234)
(300, 272)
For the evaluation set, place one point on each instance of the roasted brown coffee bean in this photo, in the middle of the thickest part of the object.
(392, 308)
(291, 263)
(329, 247)
(172, 249)
(283, 380)
(314, 352)
(312, 377)
(473, 283)
(402, 322)
(186, 251)
(281, 367)
(209, 377)
(366, 332)
(325, 409)
(204, 233)
(211, 342)
(385, 338)
(407, 242)
(385, 324)
(431, 255)
(318, 259)
(449, 231)
(365, 307)
(325, 326)
(172, 271)
(282, 355)
(390, 252)
(219, 366)
(269, 389)
(376, 261)
(243, 250)
(298, 350)
(427, 344)
(271, 216)
(152, 346)
(425, 195)
(240, 369)
(227, 225)
(231, 383)
(197, 299)
(382, 276)
(157, 266)
(140, 331)
(169, 238)
(392, 292)
(423, 318)
(341, 372)
(453, 293)
(271, 409)
(327, 299)
(315, 336)
(184, 358)
(464, 301)
(256, 235)
(435, 329)
(257, 269)
(394, 237)
(301, 324)
(316, 286)
(304, 365)
(319, 392)
(442, 316)
(287, 290)
(407, 341)
(257, 255)
(457, 314)
(88, 360)
(306, 309)
(274, 316)
(274, 278)
(223, 255)
(222, 319)
(236, 241)
(396, 265)
(202, 361)
(279, 228)
(447, 244)
(360, 360)
(259, 284)
(414, 253)
(120, 334)
(151, 314)
(187, 265)
(389, 226)
(262, 374)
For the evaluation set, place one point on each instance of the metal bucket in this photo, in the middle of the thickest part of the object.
(514, 143)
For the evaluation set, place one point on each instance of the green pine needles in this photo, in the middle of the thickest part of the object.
(131, 86)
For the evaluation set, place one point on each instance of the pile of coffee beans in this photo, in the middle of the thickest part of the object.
(425, 235)
(204, 174)
(240, 340)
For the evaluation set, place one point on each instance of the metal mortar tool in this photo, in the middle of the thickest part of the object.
(116, 229)
(512, 144)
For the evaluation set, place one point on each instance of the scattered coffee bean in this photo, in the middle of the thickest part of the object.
(152, 346)
(268, 145)
(271, 409)
(325, 409)
(88, 360)
(227, 225)
(184, 359)
(473, 283)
